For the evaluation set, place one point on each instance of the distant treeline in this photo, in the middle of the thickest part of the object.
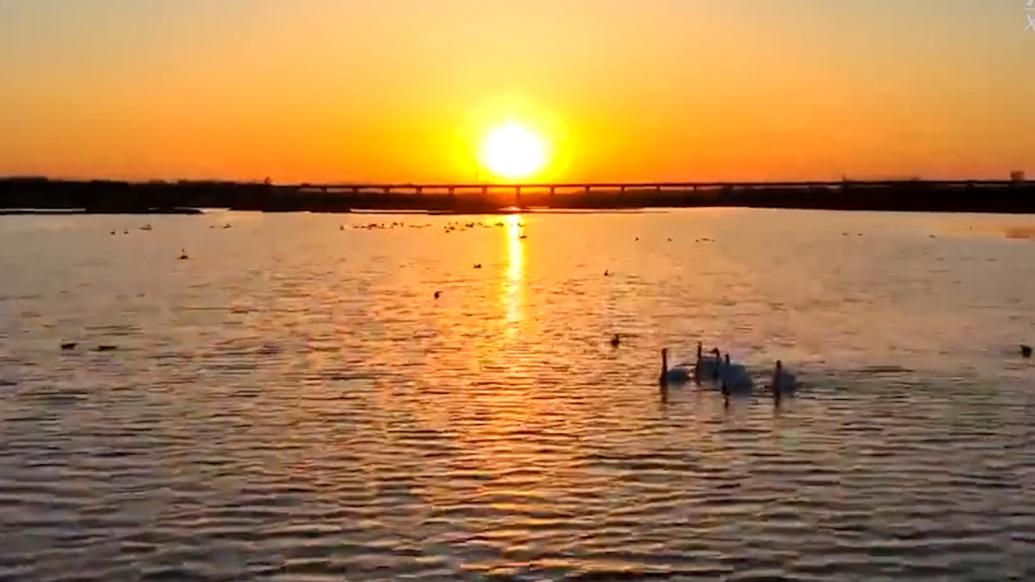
(101, 196)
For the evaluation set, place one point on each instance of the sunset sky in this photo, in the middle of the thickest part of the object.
(407, 90)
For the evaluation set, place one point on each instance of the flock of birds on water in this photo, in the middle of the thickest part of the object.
(456, 226)
(715, 369)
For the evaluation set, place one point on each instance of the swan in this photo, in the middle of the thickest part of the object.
(734, 377)
(783, 381)
(677, 375)
(707, 368)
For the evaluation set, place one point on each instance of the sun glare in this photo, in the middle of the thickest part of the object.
(513, 152)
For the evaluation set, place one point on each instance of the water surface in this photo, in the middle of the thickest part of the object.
(292, 402)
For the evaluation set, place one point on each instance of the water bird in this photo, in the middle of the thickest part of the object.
(734, 377)
(183, 255)
(523, 237)
(146, 227)
(478, 266)
(783, 381)
(677, 375)
(125, 232)
(616, 341)
(707, 368)
(607, 273)
(227, 225)
(68, 346)
(113, 233)
(438, 294)
(1026, 351)
(106, 348)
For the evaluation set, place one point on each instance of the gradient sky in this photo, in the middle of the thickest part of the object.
(402, 90)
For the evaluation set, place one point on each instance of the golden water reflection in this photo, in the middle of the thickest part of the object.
(346, 399)
(512, 290)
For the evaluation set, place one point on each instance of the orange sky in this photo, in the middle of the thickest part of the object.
(403, 90)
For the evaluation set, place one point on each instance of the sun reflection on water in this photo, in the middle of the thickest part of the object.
(513, 285)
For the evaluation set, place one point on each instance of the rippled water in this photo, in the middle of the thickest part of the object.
(292, 402)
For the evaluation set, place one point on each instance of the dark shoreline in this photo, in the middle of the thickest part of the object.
(80, 211)
(42, 196)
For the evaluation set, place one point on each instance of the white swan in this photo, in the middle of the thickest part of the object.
(734, 377)
(707, 369)
(679, 374)
(783, 381)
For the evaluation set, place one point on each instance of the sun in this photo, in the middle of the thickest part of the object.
(511, 151)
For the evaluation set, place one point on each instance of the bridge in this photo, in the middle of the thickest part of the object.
(546, 193)
(588, 187)
(1016, 195)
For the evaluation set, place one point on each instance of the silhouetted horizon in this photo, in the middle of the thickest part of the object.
(1015, 195)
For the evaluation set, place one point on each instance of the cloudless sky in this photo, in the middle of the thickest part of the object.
(403, 90)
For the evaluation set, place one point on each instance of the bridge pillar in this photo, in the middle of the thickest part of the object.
(517, 196)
